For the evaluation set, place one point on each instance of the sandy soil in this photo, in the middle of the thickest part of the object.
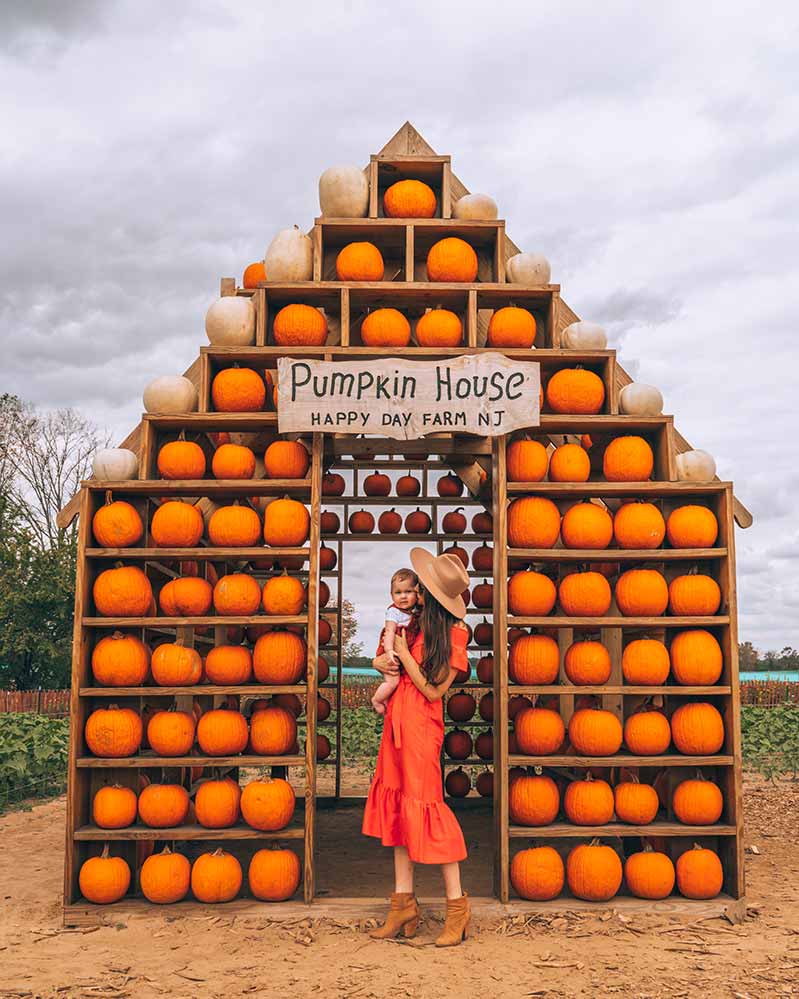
(601, 954)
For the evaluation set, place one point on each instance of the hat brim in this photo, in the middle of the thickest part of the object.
(422, 562)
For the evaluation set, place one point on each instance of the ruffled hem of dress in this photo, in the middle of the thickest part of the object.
(428, 829)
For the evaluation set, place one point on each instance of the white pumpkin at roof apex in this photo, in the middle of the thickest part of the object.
(344, 193)
(528, 268)
(289, 257)
(696, 466)
(475, 206)
(115, 464)
(583, 335)
(170, 394)
(638, 399)
(230, 321)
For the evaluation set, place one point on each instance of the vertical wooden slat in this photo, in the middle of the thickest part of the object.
(227, 286)
(345, 317)
(318, 251)
(499, 255)
(446, 191)
(611, 638)
(147, 450)
(313, 654)
(611, 385)
(259, 298)
(204, 388)
(339, 663)
(471, 319)
(409, 263)
(373, 192)
(499, 508)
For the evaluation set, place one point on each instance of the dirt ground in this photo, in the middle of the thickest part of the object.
(600, 954)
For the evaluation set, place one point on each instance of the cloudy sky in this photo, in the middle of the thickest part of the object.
(150, 149)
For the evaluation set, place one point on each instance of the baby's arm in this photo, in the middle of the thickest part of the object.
(389, 633)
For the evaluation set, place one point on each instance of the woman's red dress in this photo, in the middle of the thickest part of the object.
(405, 805)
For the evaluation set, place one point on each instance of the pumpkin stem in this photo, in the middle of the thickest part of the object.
(109, 499)
(106, 851)
(117, 635)
(595, 841)
(648, 848)
(166, 851)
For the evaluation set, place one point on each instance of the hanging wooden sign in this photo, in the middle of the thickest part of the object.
(486, 394)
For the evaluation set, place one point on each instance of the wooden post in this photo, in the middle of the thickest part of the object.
(499, 511)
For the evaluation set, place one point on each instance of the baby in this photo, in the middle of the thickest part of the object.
(401, 613)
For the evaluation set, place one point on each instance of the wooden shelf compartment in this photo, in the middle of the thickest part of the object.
(92, 833)
(330, 298)
(433, 537)
(208, 488)
(210, 422)
(392, 237)
(557, 621)
(204, 553)
(453, 502)
(144, 762)
(600, 489)
(209, 689)
(620, 760)
(383, 171)
(528, 555)
(570, 690)
(559, 830)
(472, 761)
(196, 622)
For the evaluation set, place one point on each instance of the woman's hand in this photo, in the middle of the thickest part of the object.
(385, 664)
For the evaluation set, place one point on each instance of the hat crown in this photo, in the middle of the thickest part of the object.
(450, 574)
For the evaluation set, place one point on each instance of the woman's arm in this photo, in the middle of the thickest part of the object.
(433, 692)
(385, 664)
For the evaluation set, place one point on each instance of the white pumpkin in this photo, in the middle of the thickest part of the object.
(170, 394)
(637, 399)
(528, 268)
(230, 321)
(696, 466)
(344, 193)
(289, 257)
(584, 336)
(475, 206)
(115, 464)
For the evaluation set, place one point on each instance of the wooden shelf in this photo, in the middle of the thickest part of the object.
(196, 554)
(202, 487)
(142, 762)
(256, 689)
(599, 488)
(620, 760)
(95, 833)
(619, 622)
(406, 295)
(197, 422)
(570, 690)
(404, 537)
(564, 829)
(412, 501)
(614, 554)
(473, 761)
(196, 622)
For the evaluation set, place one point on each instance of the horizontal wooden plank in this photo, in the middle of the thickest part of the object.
(621, 760)
(201, 487)
(196, 554)
(600, 488)
(144, 761)
(447, 538)
(570, 690)
(401, 501)
(619, 622)
(211, 421)
(614, 554)
(93, 833)
(559, 830)
(256, 355)
(210, 689)
(183, 622)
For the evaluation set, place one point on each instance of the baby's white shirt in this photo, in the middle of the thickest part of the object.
(400, 617)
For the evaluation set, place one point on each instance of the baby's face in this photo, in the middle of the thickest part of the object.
(404, 594)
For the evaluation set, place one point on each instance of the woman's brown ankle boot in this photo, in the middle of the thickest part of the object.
(403, 917)
(456, 925)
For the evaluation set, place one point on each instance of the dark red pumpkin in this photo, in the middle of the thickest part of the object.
(329, 522)
(483, 523)
(450, 485)
(377, 484)
(461, 706)
(454, 522)
(483, 595)
(484, 745)
(486, 707)
(333, 484)
(458, 744)
(389, 522)
(484, 634)
(418, 522)
(407, 485)
(361, 522)
(327, 558)
(457, 783)
(485, 784)
(483, 558)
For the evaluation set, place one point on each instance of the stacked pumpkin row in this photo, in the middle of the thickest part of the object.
(637, 592)
(536, 522)
(536, 800)
(458, 783)
(593, 871)
(167, 877)
(379, 484)
(696, 728)
(184, 459)
(694, 658)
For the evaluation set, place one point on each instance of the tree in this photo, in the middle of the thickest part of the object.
(350, 649)
(748, 656)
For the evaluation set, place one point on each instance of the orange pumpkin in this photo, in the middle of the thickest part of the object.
(279, 657)
(228, 665)
(360, 262)
(268, 804)
(696, 658)
(104, 879)
(534, 659)
(163, 805)
(186, 596)
(530, 594)
(274, 874)
(575, 390)
(699, 873)
(283, 595)
(237, 595)
(642, 593)
(175, 665)
(171, 733)
(409, 199)
(385, 328)
(692, 526)
(511, 327)
(120, 660)
(181, 460)
(595, 732)
(254, 274)
(286, 460)
(217, 803)
(533, 801)
(300, 326)
(165, 877)
(233, 461)
(216, 877)
(636, 804)
(645, 662)
(694, 595)
(697, 802)
(113, 732)
(234, 526)
(697, 729)
(526, 461)
(586, 525)
(537, 874)
(117, 525)
(649, 874)
(647, 733)
(588, 802)
(238, 390)
(533, 522)
(539, 731)
(593, 872)
(628, 459)
(584, 594)
(451, 259)
(222, 732)
(439, 328)
(287, 523)
(569, 463)
(639, 525)
(176, 525)
(114, 807)
(273, 731)
(122, 592)
(587, 663)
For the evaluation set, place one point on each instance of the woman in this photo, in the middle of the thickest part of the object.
(405, 807)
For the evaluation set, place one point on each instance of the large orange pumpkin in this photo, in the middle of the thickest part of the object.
(385, 328)
(587, 663)
(649, 874)
(451, 259)
(114, 807)
(222, 732)
(283, 595)
(511, 327)
(595, 732)
(642, 593)
(238, 390)
(274, 874)
(186, 596)
(531, 594)
(699, 873)
(300, 326)
(234, 526)
(216, 803)
(122, 592)
(527, 461)
(439, 328)
(171, 733)
(175, 665)
(694, 595)
(692, 526)
(593, 872)
(237, 594)
(117, 525)
(639, 525)
(586, 525)
(628, 459)
(181, 460)
(287, 523)
(569, 463)
(120, 660)
(584, 594)
(636, 804)
(273, 731)
(588, 802)
(253, 275)
(176, 525)
(697, 802)
(216, 877)
(533, 522)
(163, 805)
(645, 662)
(279, 657)
(104, 879)
(537, 874)
(533, 801)
(286, 460)
(696, 658)
(697, 729)
(268, 804)
(165, 877)
(575, 390)
(539, 731)
(233, 461)
(534, 659)
(113, 732)
(228, 665)
(647, 733)
(409, 199)
(360, 262)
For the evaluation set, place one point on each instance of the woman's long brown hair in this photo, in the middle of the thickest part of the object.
(436, 624)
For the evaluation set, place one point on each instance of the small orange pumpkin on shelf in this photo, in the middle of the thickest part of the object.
(299, 326)
(361, 261)
(539, 731)
(587, 663)
(534, 659)
(122, 592)
(238, 390)
(409, 199)
(628, 459)
(181, 459)
(569, 463)
(418, 522)
(511, 328)
(234, 526)
(286, 460)
(588, 802)
(647, 733)
(176, 525)
(268, 804)
(451, 259)
(531, 594)
(228, 665)
(697, 729)
(120, 660)
(283, 595)
(273, 874)
(216, 877)
(233, 461)
(237, 595)
(526, 461)
(692, 526)
(273, 731)
(216, 803)
(287, 523)
(642, 593)
(697, 802)
(575, 391)
(584, 594)
(533, 522)
(117, 524)
(595, 732)
(439, 328)
(113, 732)
(699, 873)
(104, 879)
(175, 665)
(537, 873)
(694, 594)
(639, 525)
(171, 733)
(222, 732)
(163, 805)
(114, 807)
(645, 662)
(636, 804)
(593, 872)
(385, 328)
(649, 874)
(165, 877)
(533, 801)
(587, 525)
(696, 658)
(254, 274)
(280, 657)
(185, 596)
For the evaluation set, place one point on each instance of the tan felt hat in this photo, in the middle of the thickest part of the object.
(444, 576)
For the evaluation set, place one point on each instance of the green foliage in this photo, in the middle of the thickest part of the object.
(771, 661)
(33, 756)
(771, 739)
(360, 735)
